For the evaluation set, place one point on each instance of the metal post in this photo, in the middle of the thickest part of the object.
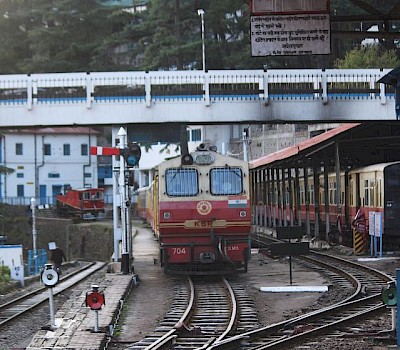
(96, 321)
(200, 12)
(116, 216)
(338, 187)
(244, 135)
(123, 201)
(397, 307)
(51, 304)
(34, 233)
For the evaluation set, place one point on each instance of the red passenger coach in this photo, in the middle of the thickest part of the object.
(201, 213)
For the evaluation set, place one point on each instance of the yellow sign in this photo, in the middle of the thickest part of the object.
(205, 223)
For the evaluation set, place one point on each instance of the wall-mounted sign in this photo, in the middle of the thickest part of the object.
(288, 6)
(290, 27)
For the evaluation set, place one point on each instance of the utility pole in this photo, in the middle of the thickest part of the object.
(244, 146)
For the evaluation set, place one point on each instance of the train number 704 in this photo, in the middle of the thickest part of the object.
(177, 251)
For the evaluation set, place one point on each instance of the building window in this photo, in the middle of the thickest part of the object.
(196, 135)
(84, 149)
(300, 127)
(20, 191)
(86, 175)
(67, 149)
(54, 175)
(20, 175)
(18, 149)
(47, 149)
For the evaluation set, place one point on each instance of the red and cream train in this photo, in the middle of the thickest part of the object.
(199, 208)
(373, 188)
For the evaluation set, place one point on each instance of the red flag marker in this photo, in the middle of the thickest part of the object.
(104, 151)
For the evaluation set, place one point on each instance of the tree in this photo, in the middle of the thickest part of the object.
(82, 35)
(371, 56)
(6, 171)
(51, 36)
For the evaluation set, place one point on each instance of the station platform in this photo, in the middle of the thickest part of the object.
(75, 322)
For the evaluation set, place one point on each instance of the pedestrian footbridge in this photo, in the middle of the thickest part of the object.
(228, 96)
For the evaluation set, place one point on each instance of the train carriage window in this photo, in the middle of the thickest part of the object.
(226, 181)
(311, 194)
(97, 195)
(379, 194)
(369, 192)
(321, 197)
(181, 182)
(332, 193)
(351, 193)
(302, 196)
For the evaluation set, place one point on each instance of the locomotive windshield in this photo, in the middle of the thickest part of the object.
(92, 195)
(226, 181)
(181, 182)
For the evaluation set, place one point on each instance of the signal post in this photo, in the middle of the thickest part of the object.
(125, 217)
(129, 157)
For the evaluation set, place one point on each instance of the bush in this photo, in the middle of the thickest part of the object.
(4, 278)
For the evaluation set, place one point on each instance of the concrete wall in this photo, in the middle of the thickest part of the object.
(84, 241)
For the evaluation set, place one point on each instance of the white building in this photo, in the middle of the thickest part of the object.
(46, 162)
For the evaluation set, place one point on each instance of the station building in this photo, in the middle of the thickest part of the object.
(46, 161)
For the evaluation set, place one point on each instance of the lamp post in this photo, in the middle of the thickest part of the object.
(200, 12)
(34, 233)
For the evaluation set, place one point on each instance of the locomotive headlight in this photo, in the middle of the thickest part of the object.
(167, 215)
(242, 214)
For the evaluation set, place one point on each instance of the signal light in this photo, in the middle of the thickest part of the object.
(389, 294)
(131, 154)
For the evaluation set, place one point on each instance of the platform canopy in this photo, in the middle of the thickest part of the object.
(358, 144)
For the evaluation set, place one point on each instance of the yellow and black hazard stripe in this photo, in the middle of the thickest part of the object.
(359, 243)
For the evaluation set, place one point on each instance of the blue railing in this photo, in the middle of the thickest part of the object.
(36, 261)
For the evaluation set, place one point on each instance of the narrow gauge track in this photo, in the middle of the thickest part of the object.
(287, 334)
(204, 311)
(17, 307)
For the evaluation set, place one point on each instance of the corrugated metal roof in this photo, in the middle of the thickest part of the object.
(304, 145)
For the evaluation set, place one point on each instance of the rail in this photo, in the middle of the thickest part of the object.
(14, 308)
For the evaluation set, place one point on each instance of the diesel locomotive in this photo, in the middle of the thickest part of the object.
(198, 206)
(85, 203)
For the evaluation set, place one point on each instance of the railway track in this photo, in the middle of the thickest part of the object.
(204, 311)
(298, 330)
(11, 310)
